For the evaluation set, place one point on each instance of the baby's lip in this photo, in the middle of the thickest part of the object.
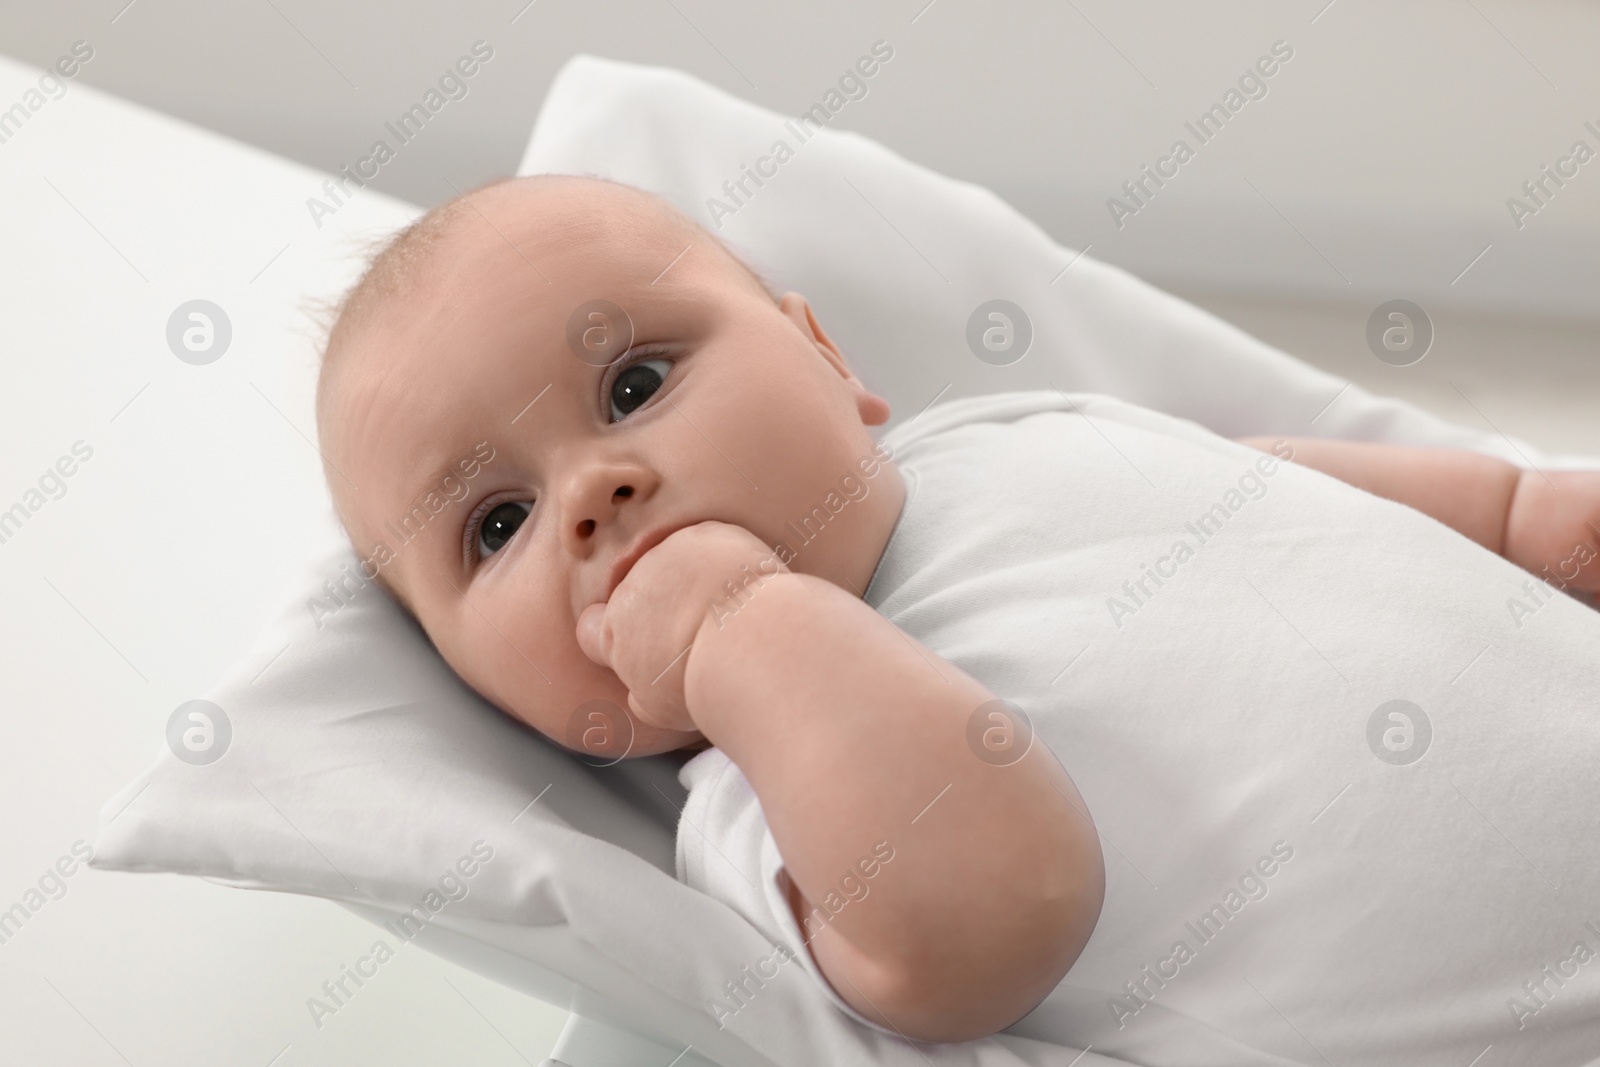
(644, 543)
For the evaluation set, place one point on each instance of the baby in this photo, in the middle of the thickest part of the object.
(642, 422)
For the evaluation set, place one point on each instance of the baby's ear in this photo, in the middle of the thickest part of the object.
(874, 409)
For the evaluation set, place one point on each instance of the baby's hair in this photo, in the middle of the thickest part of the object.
(393, 261)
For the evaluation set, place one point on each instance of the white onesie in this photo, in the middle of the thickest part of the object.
(1348, 790)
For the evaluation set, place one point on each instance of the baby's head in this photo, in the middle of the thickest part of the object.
(497, 433)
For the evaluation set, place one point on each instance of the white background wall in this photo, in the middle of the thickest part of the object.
(1377, 167)
(1390, 142)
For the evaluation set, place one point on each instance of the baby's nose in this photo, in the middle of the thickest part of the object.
(586, 526)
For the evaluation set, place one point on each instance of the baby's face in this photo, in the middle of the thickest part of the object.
(726, 406)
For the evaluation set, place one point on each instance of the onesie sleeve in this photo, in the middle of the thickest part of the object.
(726, 850)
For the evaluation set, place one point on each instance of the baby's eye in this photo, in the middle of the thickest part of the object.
(500, 525)
(635, 385)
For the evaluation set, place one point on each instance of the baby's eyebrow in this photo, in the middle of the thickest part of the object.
(443, 480)
(431, 483)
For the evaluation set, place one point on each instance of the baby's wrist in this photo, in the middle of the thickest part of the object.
(1553, 527)
(1514, 533)
(731, 639)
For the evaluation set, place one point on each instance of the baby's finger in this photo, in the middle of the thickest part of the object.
(592, 635)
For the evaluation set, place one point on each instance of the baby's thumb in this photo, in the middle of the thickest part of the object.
(591, 633)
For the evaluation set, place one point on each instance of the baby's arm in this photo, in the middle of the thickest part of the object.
(1541, 521)
(848, 731)
(854, 738)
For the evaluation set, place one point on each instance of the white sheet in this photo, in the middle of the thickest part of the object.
(1217, 724)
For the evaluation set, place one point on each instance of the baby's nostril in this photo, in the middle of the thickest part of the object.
(623, 491)
(586, 527)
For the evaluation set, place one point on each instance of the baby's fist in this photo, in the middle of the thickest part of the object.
(644, 633)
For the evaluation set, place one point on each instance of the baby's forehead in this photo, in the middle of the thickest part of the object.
(545, 218)
(552, 240)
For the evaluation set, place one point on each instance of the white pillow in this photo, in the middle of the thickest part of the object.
(896, 259)
(360, 768)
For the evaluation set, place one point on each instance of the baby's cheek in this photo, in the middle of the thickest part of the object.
(534, 671)
(543, 678)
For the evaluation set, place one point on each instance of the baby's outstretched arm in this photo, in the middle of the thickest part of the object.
(1547, 522)
(854, 737)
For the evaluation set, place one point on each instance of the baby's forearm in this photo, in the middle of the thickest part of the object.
(854, 738)
(1467, 491)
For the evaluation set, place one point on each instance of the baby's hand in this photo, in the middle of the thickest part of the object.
(643, 632)
(1553, 528)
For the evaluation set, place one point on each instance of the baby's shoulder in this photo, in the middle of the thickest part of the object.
(1039, 425)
